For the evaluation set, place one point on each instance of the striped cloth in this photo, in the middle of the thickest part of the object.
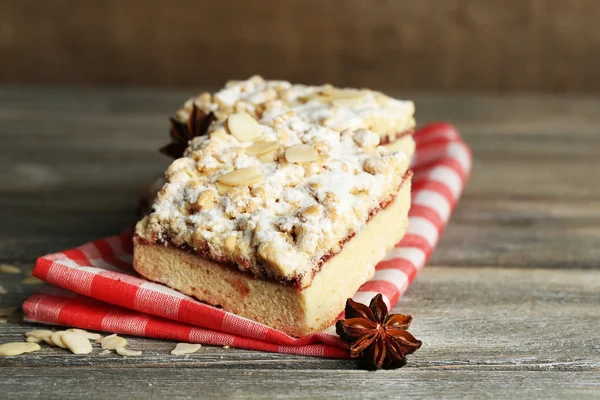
(100, 290)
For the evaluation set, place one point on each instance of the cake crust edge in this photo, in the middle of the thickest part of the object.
(296, 311)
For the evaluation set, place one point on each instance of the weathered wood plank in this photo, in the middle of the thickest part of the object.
(77, 159)
(486, 332)
(473, 318)
(184, 383)
(73, 161)
(549, 45)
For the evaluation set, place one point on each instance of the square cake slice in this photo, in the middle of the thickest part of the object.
(282, 209)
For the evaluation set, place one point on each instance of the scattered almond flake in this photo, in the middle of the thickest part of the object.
(39, 333)
(104, 352)
(85, 334)
(301, 153)
(242, 177)
(5, 312)
(31, 280)
(3, 320)
(243, 126)
(113, 341)
(122, 351)
(17, 348)
(76, 343)
(9, 269)
(185, 348)
(49, 341)
(33, 339)
(57, 339)
(226, 347)
(2, 290)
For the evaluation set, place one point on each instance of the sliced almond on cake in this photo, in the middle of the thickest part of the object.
(243, 126)
(242, 177)
(301, 153)
(262, 148)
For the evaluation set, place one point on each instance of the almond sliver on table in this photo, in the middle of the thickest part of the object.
(104, 293)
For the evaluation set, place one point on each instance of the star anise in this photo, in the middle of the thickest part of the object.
(181, 133)
(379, 339)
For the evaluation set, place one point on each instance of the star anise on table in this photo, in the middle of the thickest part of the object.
(379, 339)
(181, 133)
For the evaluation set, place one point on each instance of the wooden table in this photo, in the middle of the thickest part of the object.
(509, 304)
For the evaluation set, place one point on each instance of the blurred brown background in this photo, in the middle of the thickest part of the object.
(483, 45)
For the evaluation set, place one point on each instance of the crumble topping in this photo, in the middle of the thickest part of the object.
(324, 105)
(282, 177)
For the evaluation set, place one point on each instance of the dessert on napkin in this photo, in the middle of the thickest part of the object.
(103, 292)
(281, 205)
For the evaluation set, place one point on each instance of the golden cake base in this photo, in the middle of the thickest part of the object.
(298, 312)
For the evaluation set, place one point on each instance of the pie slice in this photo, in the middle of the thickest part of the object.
(281, 211)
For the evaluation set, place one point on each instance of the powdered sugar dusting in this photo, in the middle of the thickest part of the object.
(279, 218)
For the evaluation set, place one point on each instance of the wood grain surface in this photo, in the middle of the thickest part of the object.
(508, 306)
(511, 45)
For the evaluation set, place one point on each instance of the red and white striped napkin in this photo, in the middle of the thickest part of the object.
(104, 293)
